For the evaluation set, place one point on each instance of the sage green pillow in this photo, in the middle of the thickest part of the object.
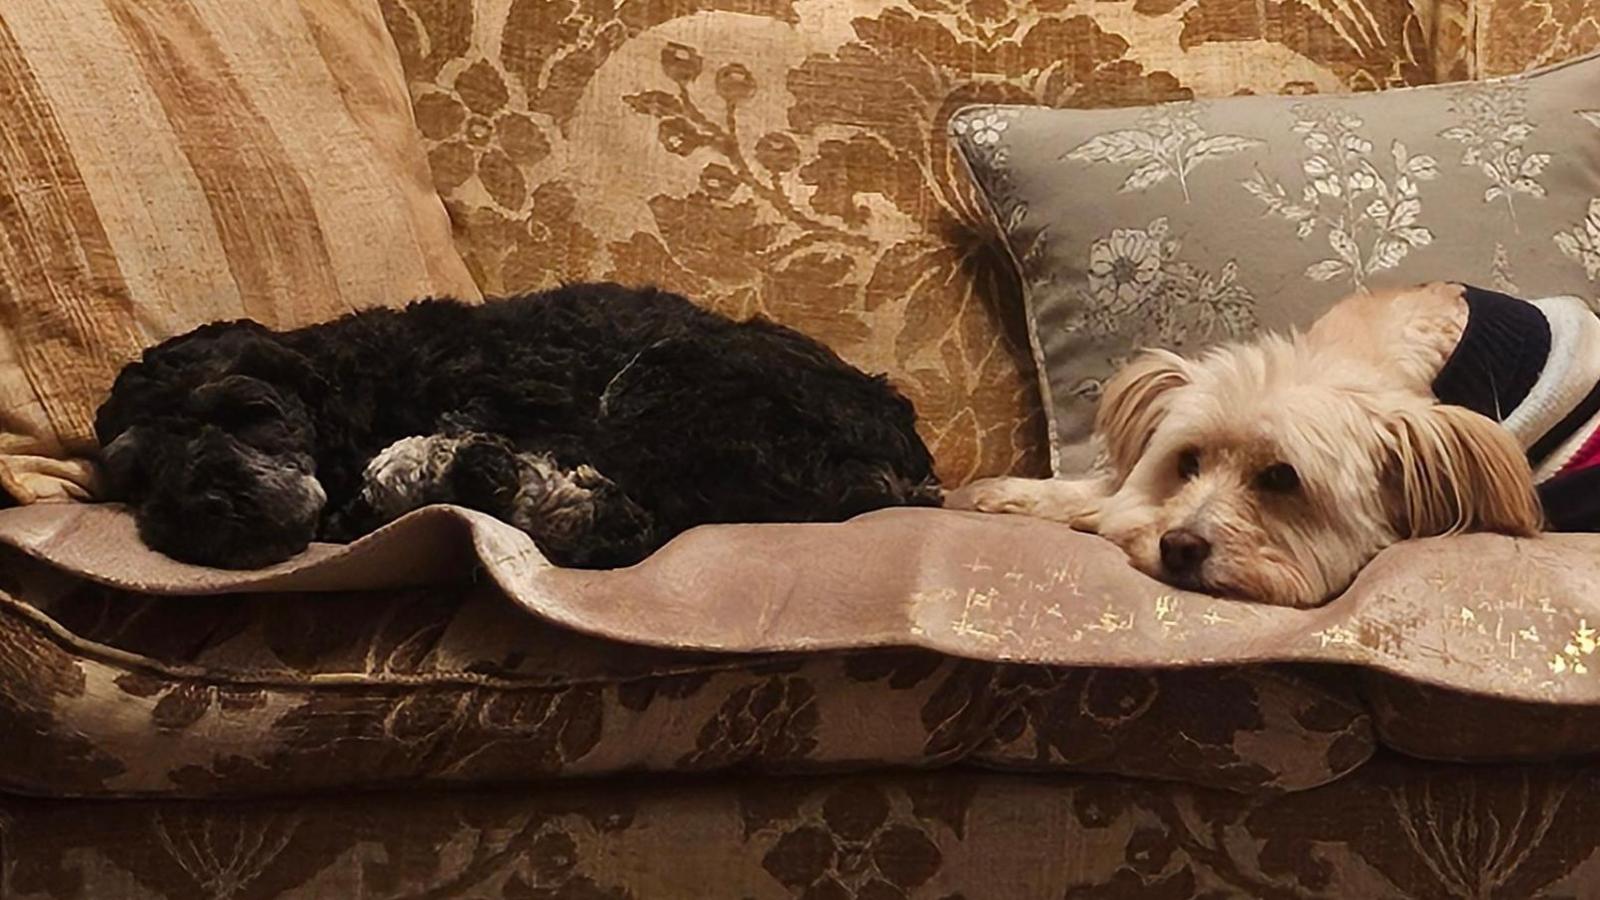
(1188, 223)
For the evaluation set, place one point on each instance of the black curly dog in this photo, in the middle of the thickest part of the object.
(601, 420)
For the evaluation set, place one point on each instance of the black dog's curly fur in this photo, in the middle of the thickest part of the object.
(603, 420)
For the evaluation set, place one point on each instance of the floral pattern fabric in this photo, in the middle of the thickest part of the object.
(806, 176)
(1040, 649)
(281, 693)
(256, 689)
(789, 158)
(1113, 215)
(1518, 35)
(1394, 831)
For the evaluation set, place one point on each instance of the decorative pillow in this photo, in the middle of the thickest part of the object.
(1187, 223)
(167, 164)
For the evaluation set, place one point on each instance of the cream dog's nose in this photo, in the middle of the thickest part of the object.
(1183, 551)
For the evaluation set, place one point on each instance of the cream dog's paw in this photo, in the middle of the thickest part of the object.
(1077, 503)
(995, 495)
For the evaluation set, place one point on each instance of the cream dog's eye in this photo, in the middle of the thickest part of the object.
(1279, 478)
(1188, 464)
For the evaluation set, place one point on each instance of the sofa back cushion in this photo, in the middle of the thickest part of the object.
(165, 163)
(1518, 35)
(767, 156)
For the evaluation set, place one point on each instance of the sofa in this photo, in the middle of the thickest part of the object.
(913, 704)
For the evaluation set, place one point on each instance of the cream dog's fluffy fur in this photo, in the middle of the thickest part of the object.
(1274, 471)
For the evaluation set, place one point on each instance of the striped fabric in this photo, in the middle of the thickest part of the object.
(165, 163)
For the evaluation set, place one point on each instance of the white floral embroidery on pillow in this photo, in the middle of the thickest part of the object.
(1169, 144)
(1372, 219)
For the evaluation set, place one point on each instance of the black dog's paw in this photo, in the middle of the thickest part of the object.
(485, 474)
(620, 532)
(579, 517)
(229, 506)
(477, 471)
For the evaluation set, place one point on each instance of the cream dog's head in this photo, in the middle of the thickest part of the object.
(1275, 471)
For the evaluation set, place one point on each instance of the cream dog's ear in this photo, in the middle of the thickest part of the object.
(1134, 401)
(1454, 470)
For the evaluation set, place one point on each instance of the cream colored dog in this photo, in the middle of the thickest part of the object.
(1274, 471)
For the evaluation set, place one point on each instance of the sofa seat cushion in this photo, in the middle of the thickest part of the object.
(1482, 614)
(106, 691)
(901, 638)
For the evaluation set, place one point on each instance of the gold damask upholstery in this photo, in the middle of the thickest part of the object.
(789, 157)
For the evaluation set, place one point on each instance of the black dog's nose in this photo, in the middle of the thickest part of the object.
(1182, 551)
